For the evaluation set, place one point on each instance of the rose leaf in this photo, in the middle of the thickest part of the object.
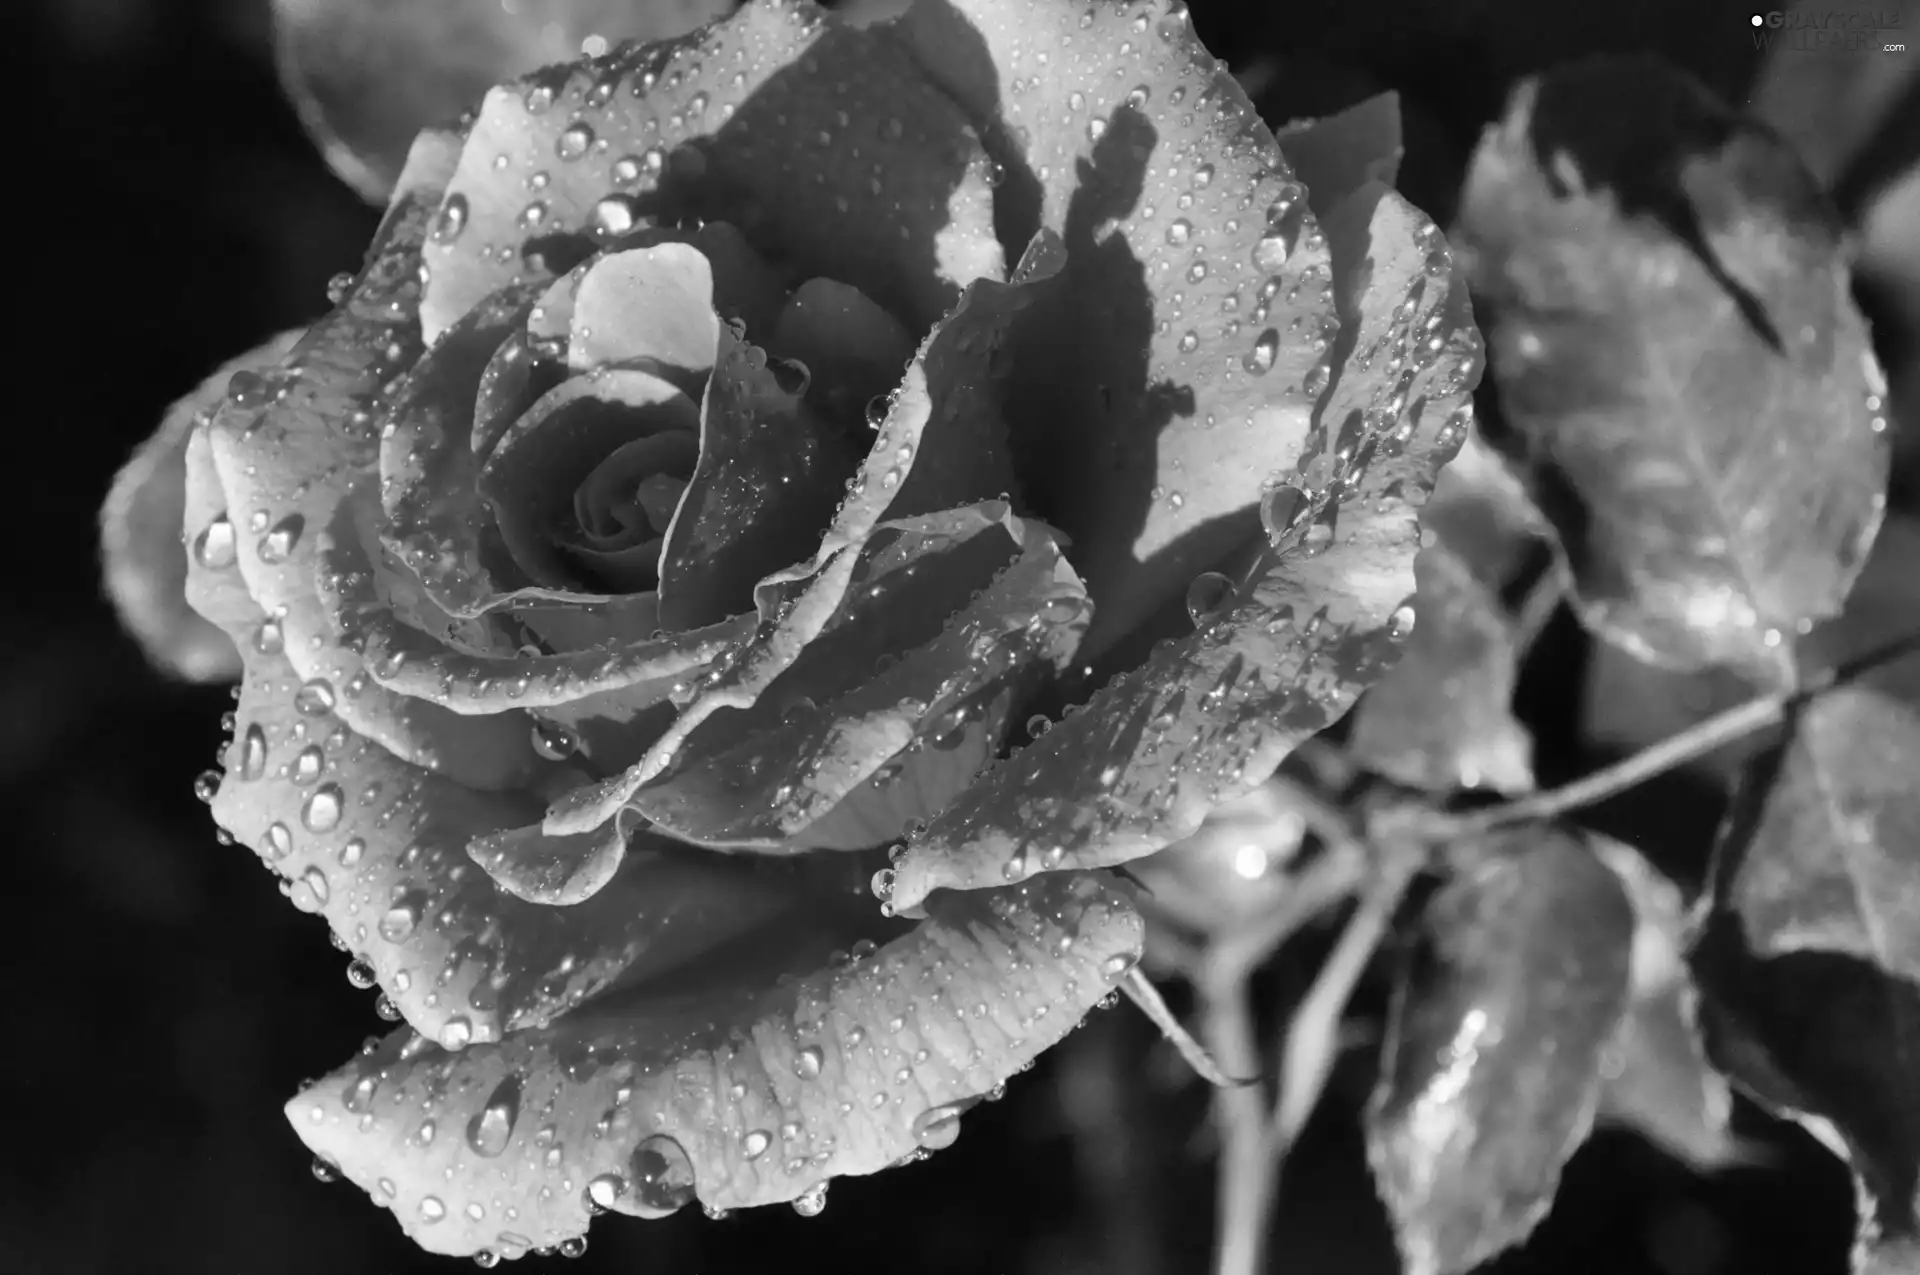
(1683, 373)
(366, 75)
(753, 1079)
(1279, 656)
(1627, 704)
(1833, 1043)
(141, 527)
(1656, 1079)
(1822, 852)
(1492, 1069)
(1442, 718)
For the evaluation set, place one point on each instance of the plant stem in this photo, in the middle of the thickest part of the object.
(1676, 750)
(1244, 1198)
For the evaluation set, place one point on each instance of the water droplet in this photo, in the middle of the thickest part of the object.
(213, 547)
(1179, 232)
(1208, 592)
(360, 973)
(615, 215)
(357, 1097)
(573, 1246)
(755, 1143)
(385, 1009)
(1400, 623)
(574, 140)
(455, 1033)
(321, 812)
(1189, 342)
(1260, 358)
(451, 220)
(486, 1259)
(1119, 963)
(554, 741)
(807, 1063)
(324, 1169)
(811, 1202)
(604, 1191)
(279, 840)
(431, 1209)
(662, 1176)
(314, 698)
(398, 921)
(278, 543)
(206, 786)
(492, 1126)
(937, 1127)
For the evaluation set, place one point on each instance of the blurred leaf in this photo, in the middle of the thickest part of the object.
(1683, 371)
(1440, 718)
(1811, 956)
(1822, 852)
(1481, 511)
(1492, 1070)
(1834, 1044)
(1658, 1081)
(366, 75)
(1628, 704)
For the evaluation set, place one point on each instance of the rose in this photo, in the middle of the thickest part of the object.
(522, 548)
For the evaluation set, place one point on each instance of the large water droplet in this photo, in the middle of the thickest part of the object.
(456, 1032)
(213, 547)
(807, 1063)
(1179, 232)
(314, 698)
(1281, 510)
(937, 1127)
(1208, 593)
(451, 220)
(755, 1143)
(811, 1202)
(554, 741)
(1400, 623)
(574, 140)
(321, 812)
(398, 921)
(357, 1097)
(278, 543)
(1265, 347)
(431, 1209)
(662, 1177)
(492, 1126)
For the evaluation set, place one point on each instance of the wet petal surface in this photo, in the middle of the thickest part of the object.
(1278, 657)
(752, 1089)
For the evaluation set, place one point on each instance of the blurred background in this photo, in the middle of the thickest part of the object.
(166, 1001)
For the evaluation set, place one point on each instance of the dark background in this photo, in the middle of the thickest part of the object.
(165, 1001)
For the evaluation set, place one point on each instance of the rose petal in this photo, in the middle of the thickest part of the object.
(854, 349)
(435, 520)
(367, 75)
(213, 587)
(435, 676)
(818, 639)
(141, 527)
(756, 1090)
(779, 787)
(530, 478)
(1338, 154)
(770, 475)
(288, 444)
(646, 307)
(1211, 715)
(1178, 360)
(379, 847)
(898, 205)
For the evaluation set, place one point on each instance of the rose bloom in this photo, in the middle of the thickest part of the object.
(731, 449)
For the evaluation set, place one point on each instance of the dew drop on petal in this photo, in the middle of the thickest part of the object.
(1208, 592)
(755, 1143)
(1400, 623)
(937, 1127)
(456, 1032)
(492, 1126)
(662, 1175)
(1281, 510)
(1265, 347)
(431, 1209)
(812, 1202)
(807, 1063)
(213, 548)
(321, 812)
